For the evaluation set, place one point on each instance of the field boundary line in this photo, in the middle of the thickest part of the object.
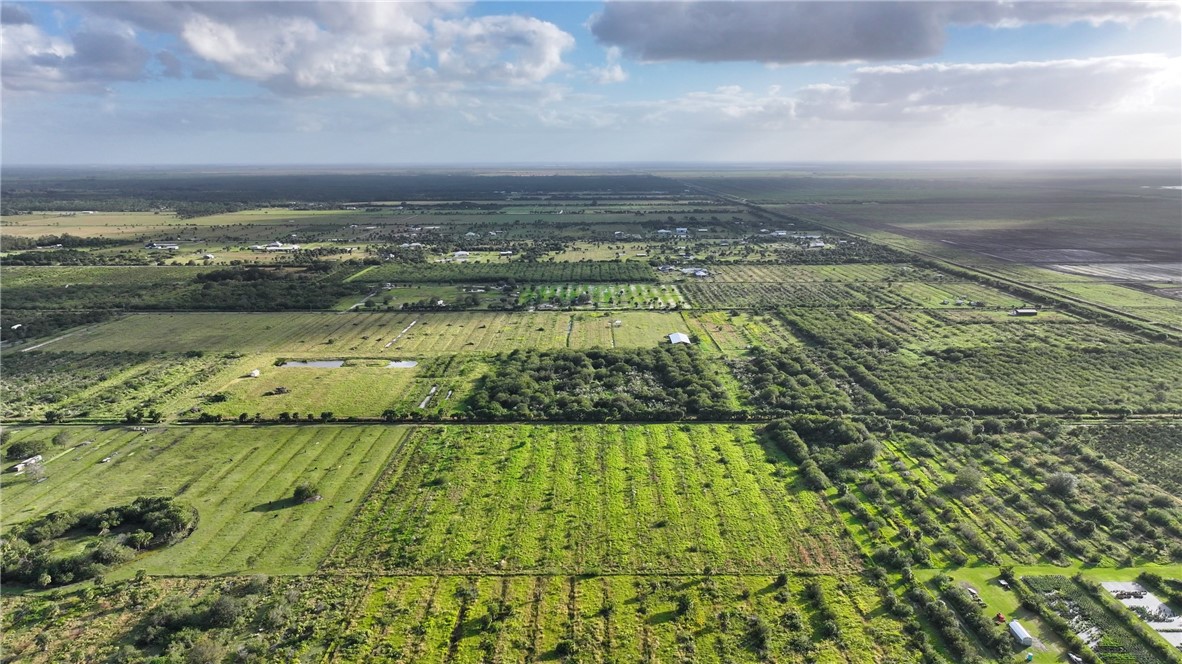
(389, 468)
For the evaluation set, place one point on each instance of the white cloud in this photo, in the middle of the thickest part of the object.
(86, 61)
(393, 49)
(837, 31)
(611, 72)
(508, 49)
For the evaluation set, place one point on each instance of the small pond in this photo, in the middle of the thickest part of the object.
(316, 364)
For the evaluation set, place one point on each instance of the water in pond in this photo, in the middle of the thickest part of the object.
(316, 364)
(402, 364)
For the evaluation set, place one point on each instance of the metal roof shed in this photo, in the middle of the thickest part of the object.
(1020, 633)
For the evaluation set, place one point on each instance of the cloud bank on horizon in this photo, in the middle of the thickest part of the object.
(353, 82)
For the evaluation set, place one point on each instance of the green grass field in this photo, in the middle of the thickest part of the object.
(239, 479)
(362, 334)
(573, 500)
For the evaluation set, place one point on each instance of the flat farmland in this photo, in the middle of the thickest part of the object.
(350, 618)
(1158, 308)
(239, 479)
(872, 272)
(99, 224)
(516, 270)
(73, 277)
(909, 294)
(361, 334)
(362, 387)
(643, 329)
(1127, 271)
(918, 362)
(598, 296)
(1039, 219)
(734, 332)
(100, 386)
(625, 618)
(576, 499)
(853, 285)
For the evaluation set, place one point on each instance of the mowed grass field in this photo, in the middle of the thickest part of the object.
(362, 387)
(612, 296)
(589, 499)
(145, 276)
(238, 479)
(371, 334)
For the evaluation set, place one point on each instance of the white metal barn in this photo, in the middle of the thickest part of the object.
(1020, 633)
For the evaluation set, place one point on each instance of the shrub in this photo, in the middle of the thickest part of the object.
(304, 492)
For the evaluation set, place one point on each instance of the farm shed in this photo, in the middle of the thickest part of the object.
(1020, 633)
(1024, 312)
(679, 338)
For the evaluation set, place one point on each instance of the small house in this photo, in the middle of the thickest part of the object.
(682, 231)
(679, 338)
(1020, 634)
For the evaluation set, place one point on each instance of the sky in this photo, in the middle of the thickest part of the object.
(416, 83)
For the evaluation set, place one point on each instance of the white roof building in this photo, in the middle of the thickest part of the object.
(679, 338)
(1020, 633)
